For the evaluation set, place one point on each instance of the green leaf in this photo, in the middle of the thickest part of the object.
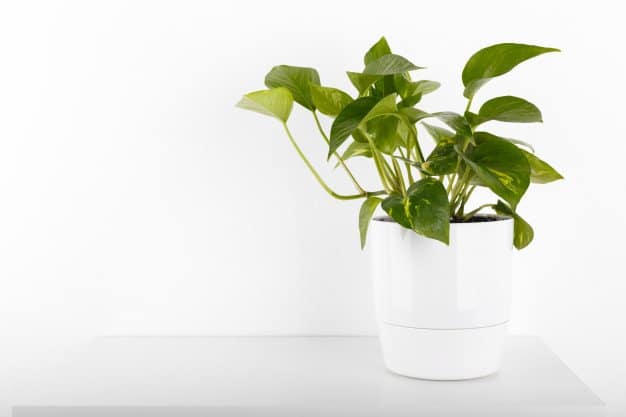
(413, 114)
(356, 149)
(442, 160)
(383, 106)
(523, 233)
(297, 80)
(380, 48)
(429, 209)
(438, 133)
(389, 65)
(482, 136)
(276, 102)
(540, 171)
(454, 121)
(365, 216)
(396, 207)
(362, 81)
(384, 131)
(508, 109)
(407, 88)
(501, 166)
(328, 100)
(494, 61)
(348, 120)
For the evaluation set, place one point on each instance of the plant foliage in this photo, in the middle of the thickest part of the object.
(421, 193)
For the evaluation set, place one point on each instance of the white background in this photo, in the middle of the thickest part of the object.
(136, 199)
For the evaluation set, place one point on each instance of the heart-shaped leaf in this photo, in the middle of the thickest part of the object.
(442, 160)
(348, 120)
(356, 149)
(384, 131)
(365, 216)
(540, 171)
(396, 207)
(389, 65)
(455, 121)
(413, 114)
(508, 109)
(499, 165)
(407, 88)
(297, 80)
(429, 209)
(329, 101)
(483, 136)
(380, 48)
(383, 106)
(494, 61)
(522, 231)
(362, 81)
(276, 102)
(438, 133)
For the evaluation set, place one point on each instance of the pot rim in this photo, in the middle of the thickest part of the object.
(498, 219)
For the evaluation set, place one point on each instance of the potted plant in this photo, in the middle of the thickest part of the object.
(441, 269)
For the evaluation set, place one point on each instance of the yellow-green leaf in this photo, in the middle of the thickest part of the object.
(328, 100)
(297, 80)
(365, 216)
(276, 102)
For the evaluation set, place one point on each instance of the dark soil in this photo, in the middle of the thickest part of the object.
(479, 218)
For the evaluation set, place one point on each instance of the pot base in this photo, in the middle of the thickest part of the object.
(442, 355)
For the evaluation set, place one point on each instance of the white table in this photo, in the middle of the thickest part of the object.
(292, 377)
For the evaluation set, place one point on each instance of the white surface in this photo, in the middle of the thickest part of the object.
(328, 376)
(447, 355)
(137, 199)
(423, 283)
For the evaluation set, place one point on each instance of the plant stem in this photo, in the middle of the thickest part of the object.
(473, 212)
(319, 179)
(407, 166)
(469, 103)
(341, 161)
(466, 197)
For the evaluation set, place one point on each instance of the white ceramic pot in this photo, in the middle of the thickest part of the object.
(442, 310)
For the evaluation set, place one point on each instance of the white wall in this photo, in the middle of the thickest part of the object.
(137, 199)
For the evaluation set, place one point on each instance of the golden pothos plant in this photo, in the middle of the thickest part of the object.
(421, 192)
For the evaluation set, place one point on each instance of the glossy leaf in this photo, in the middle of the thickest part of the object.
(523, 233)
(384, 132)
(389, 65)
(540, 171)
(442, 160)
(494, 61)
(297, 80)
(348, 120)
(483, 136)
(328, 100)
(407, 88)
(508, 109)
(438, 133)
(429, 209)
(362, 81)
(501, 166)
(413, 114)
(383, 106)
(396, 207)
(412, 92)
(379, 49)
(356, 149)
(365, 216)
(276, 102)
(455, 121)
